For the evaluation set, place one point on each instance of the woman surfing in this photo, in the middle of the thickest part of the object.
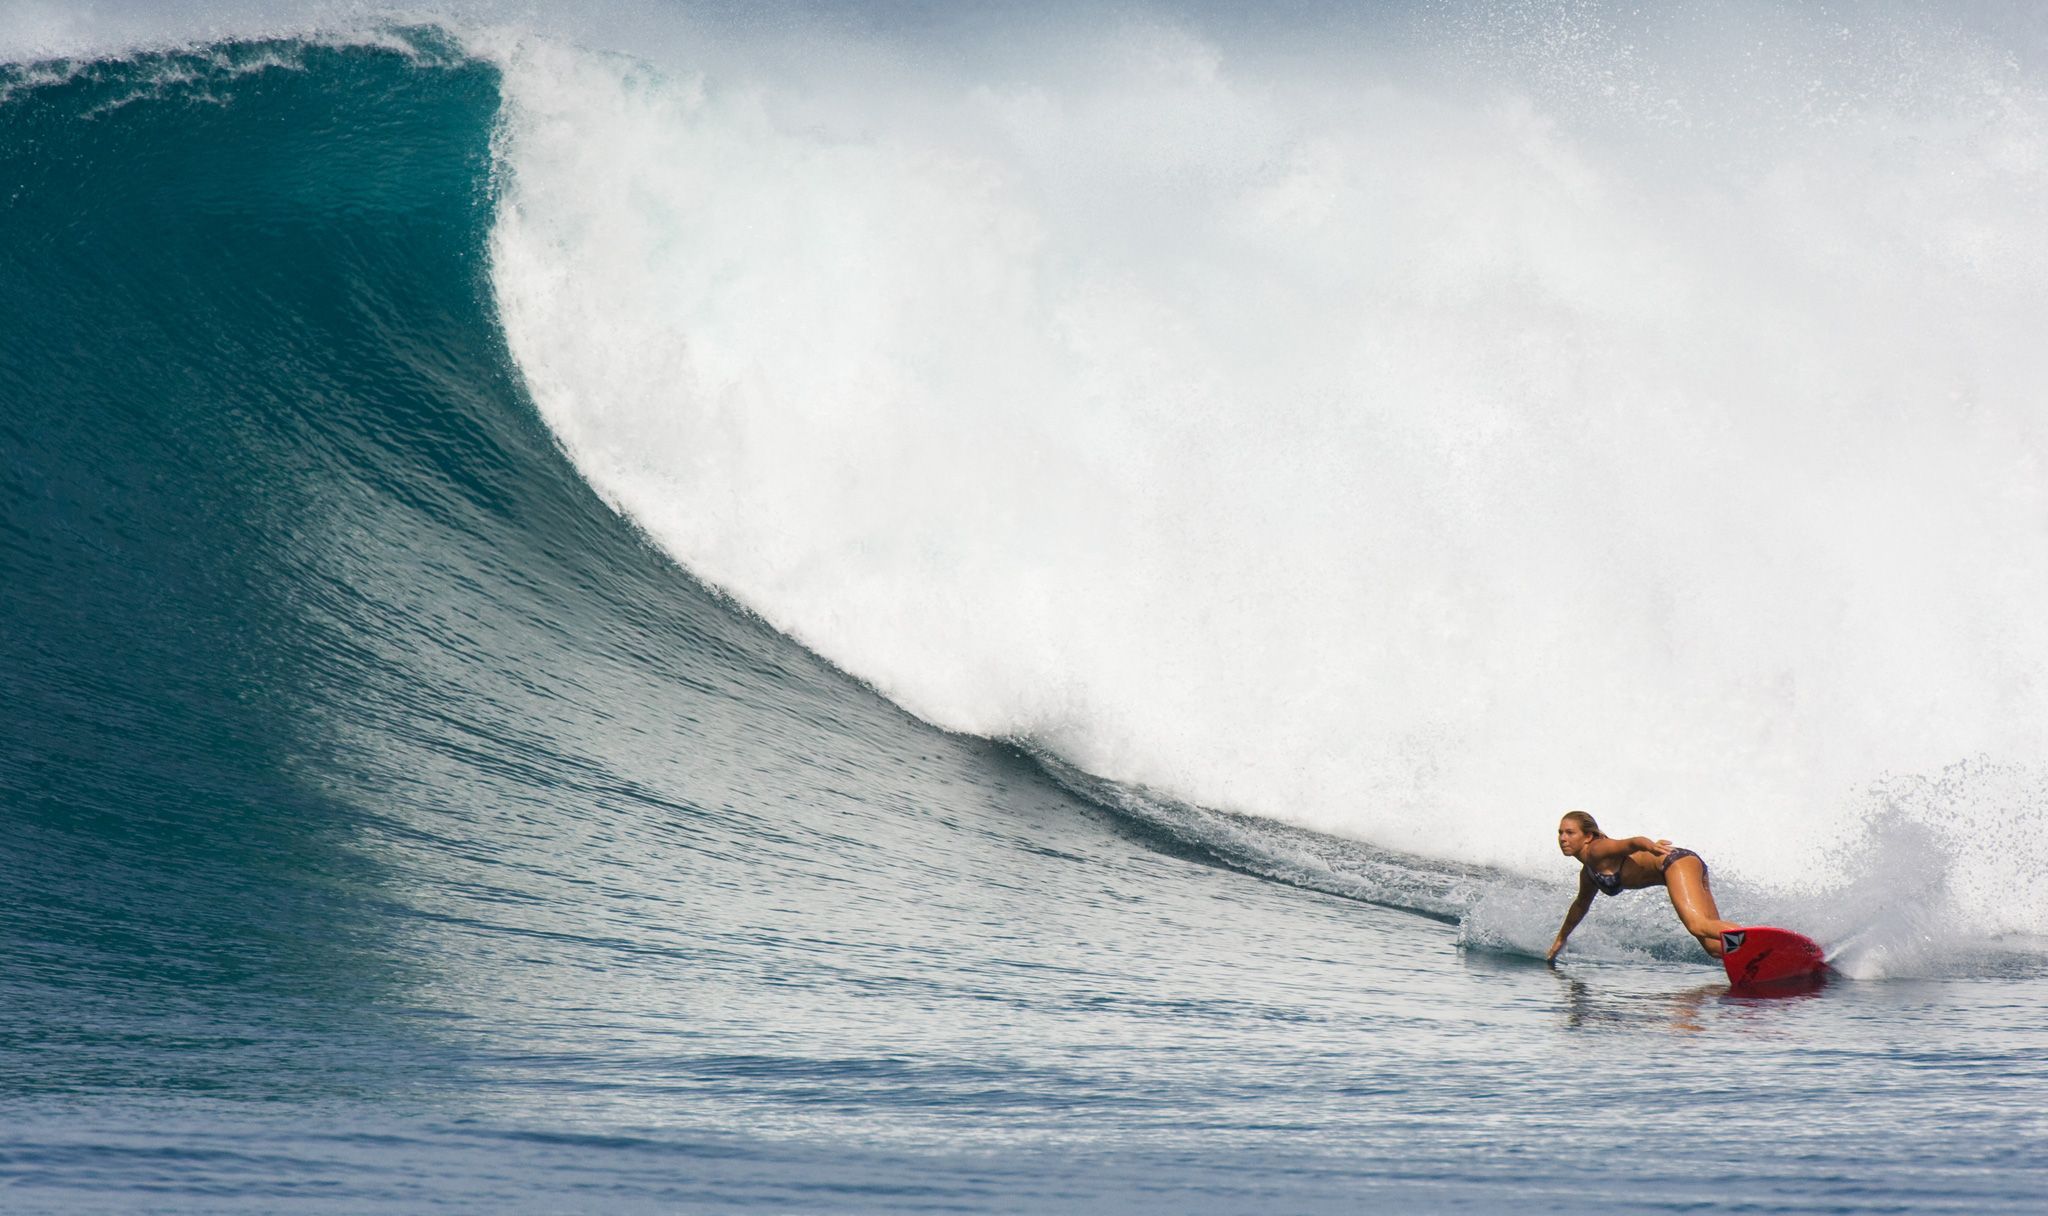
(1610, 866)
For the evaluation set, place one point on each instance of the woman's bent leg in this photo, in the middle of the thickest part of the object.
(1686, 880)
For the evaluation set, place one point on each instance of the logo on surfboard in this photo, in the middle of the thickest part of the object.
(1760, 955)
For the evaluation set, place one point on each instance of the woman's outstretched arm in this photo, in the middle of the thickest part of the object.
(1614, 846)
(1573, 915)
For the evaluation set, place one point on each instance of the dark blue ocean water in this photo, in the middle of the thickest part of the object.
(390, 827)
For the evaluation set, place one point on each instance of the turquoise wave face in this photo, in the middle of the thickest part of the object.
(242, 301)
(299, 590)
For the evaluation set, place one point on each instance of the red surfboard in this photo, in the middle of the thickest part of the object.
(1763, 957)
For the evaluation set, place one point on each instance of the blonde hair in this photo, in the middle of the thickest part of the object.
(1584, 821)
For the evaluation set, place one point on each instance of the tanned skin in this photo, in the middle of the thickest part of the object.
(1640, 862)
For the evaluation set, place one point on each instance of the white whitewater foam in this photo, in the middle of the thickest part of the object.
(1404, 452)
